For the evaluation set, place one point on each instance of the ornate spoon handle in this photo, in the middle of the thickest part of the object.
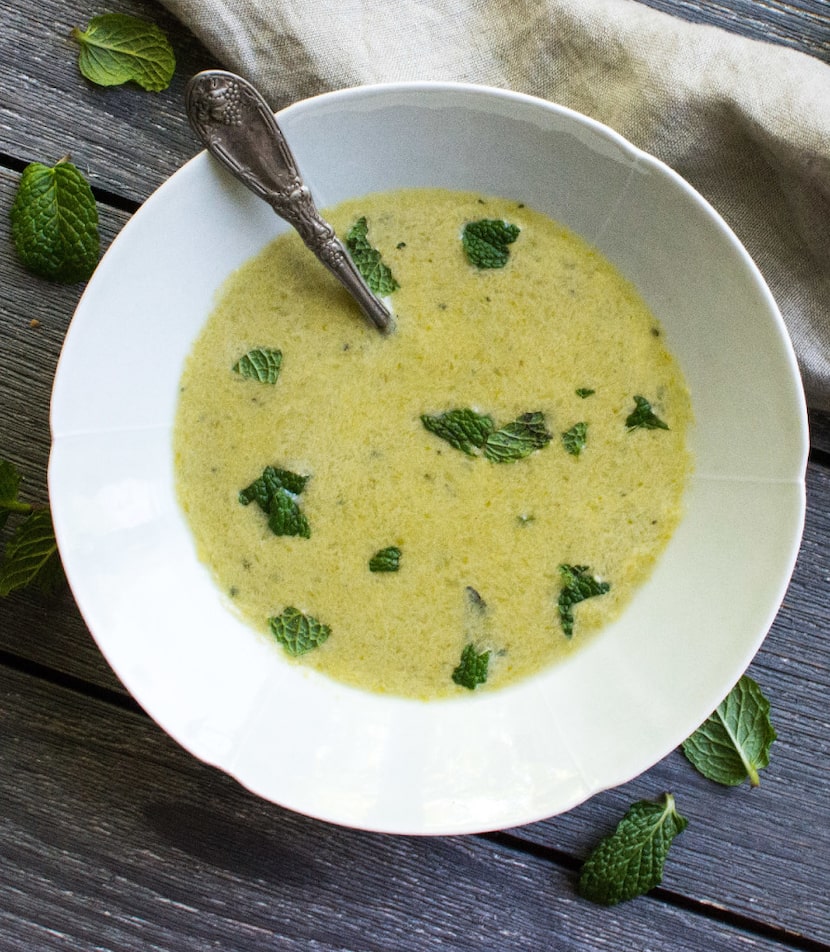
(236, 126)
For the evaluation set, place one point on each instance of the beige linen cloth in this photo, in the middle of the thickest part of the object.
(747, 123)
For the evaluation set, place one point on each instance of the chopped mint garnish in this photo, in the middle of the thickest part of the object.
(577, 585)
(298, 633)
(274, 492)
(734, 741)
(643, 417)
(116, 48)
(629, 862)
(54, 223)
(368, 260)
(386, 560)
(463, 429)
(518, 439)
(584, 392)
(575, 438)
(285, 518)
(486, 241)
(472, 669)
(261, 363)
(468, 431)
(271, 481)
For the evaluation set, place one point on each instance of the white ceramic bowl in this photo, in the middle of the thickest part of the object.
(486, 761)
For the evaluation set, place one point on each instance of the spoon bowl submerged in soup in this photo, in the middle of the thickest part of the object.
(456, 505)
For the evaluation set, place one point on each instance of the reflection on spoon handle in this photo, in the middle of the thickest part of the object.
(238, 128)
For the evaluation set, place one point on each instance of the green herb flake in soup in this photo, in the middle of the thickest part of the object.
(438, 438)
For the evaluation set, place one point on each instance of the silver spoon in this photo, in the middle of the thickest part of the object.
(236, 126)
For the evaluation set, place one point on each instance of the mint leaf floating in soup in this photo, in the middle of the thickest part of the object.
(733, 743)
(518, 439)
(54, 222)
(643, 417)
(469, 431)
(117, 48)
(485, 242)
(285, 518)
(584, 392)
(298, 633)
(575, 439)
(368, 260)
(274, 492)
(577, 585)
(472, 668)
(463, 429)
(261, 363)
(629, 862)
(386, 560)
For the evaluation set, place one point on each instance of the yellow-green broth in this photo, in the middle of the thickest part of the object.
(346, 410)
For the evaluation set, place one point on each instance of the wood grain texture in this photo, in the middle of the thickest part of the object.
(127, 141)
(111, 837)
(803, 26)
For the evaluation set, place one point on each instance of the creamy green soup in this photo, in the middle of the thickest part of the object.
(508, 565)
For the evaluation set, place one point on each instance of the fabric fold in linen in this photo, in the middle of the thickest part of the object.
(747, 123)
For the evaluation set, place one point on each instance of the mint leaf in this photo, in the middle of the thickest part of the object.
(298, 633)
(386, 560)
(117, 48)
(54, 223)
(463, 429)
(733, 743)
(485, 242)
(518, 439)
(643, 417)
(577, 585)
(31, 555)
(630, 861)
(472, 669)
(285, 518)
(274, 493)
(261, 363)
(584, 392)
(264, 488)
(9, 489)
(368, 260)
(574, 439)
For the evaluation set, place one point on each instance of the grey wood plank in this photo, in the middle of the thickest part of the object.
(112, 838)
(762, 853)
(48, 631)
(127, 140)
(803, 25)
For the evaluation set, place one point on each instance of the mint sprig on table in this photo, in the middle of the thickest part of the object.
(262, 364)
(643, 417)
(629, 862)
(734, 742)
(485, 242)
(30, 556)
(470, 431)
(54, 222)
(368, 260)
(577, 585)
(275, 493)
(297, 632)
(117, 48)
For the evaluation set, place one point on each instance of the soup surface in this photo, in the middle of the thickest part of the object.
(495, 567)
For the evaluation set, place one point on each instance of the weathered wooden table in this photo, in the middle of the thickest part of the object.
(112, 837)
